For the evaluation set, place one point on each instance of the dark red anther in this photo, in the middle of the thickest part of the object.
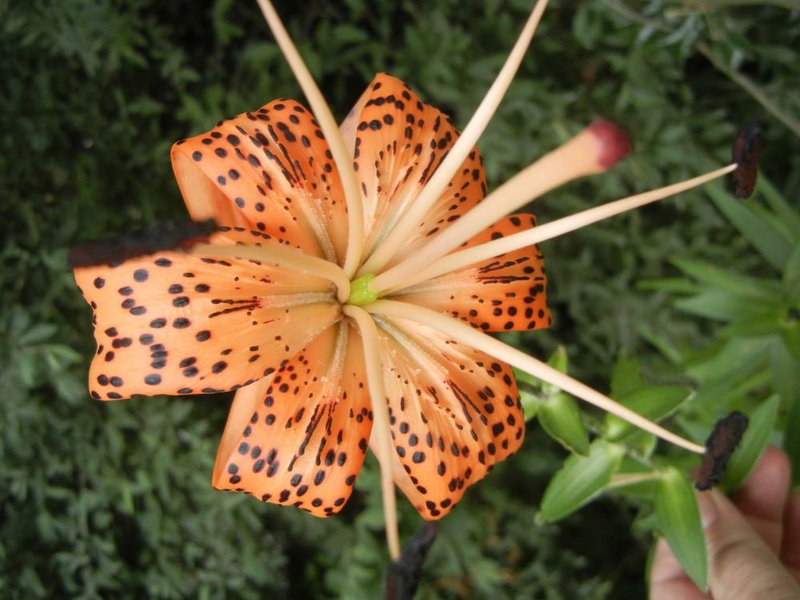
(720, 445)
(746, 151)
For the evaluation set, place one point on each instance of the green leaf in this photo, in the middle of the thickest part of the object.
(782, 209)
(767, 239)
(579, 480)
(755, 439)
(679, 522)
(718, 304)
(729, 281)
(561, 418)
(791, 276)
(533, 392)
(784, 373)
(791, 440)
(38, 333)
(653, 403)
(790, 332)
(626, 377)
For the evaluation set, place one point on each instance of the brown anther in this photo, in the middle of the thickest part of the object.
(746, 151)
(724, 438)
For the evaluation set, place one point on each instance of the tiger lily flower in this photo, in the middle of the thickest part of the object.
(347, 294)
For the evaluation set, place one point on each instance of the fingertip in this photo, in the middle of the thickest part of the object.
(764, 494)
(790, 550)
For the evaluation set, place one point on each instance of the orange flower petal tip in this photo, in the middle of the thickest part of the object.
(614, 142)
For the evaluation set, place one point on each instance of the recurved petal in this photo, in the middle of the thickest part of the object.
(174, 323)
(505, 293)
(299, 437)
(454, 413)
(269, 170)
(398, 141)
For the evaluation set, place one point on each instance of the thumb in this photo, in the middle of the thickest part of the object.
(741, 565)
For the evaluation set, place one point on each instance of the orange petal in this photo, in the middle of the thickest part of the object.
(454, 413)
(299, 438)
(398, 143)
(270, 170)
(172, 323)
(506, 293)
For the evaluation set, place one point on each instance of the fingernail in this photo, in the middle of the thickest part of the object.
(708, 509)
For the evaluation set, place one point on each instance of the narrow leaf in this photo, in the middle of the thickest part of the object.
(626, 377)
(768, 240)
(754, 441)
(679, 522)
(579, 480)
(791, 441)
(561, 418)
(782, 209)
(654, 403)
(730, 281)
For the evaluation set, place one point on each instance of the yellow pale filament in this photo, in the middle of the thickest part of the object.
(459, 260)
(284, 257)
(458, 153)
(468, 335)
(341, 155)
(381, 441)
(576, 158)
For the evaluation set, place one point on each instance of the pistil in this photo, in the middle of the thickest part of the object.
(594, 150)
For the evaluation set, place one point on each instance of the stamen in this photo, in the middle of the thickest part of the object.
(381, 432)
(459, 260)
(594, 150)
(468, 335)
(458, 153)
(341, 156)
(284, 257)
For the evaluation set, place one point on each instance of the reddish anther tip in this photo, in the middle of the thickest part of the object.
(615, 143)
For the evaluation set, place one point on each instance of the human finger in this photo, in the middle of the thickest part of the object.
(790, 550)
(741, 565)
(668, 580)
(763, 497)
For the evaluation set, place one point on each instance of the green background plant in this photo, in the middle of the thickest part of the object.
(113, 500)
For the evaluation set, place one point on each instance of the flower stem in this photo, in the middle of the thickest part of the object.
(284, 257)
(381, 433)
(341, 156)
(458, 153)
(468, 335)
(459, 260)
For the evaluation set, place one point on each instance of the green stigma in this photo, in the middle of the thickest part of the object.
(360, 292)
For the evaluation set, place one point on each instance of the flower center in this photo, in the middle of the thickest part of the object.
(360, 291)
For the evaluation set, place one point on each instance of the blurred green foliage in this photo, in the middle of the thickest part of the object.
(113, 500)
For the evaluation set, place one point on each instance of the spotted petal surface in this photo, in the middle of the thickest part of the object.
(398, 141)
(505, 293)
(454, 414)
(300, 436)
(269, 170)
(173, 323)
